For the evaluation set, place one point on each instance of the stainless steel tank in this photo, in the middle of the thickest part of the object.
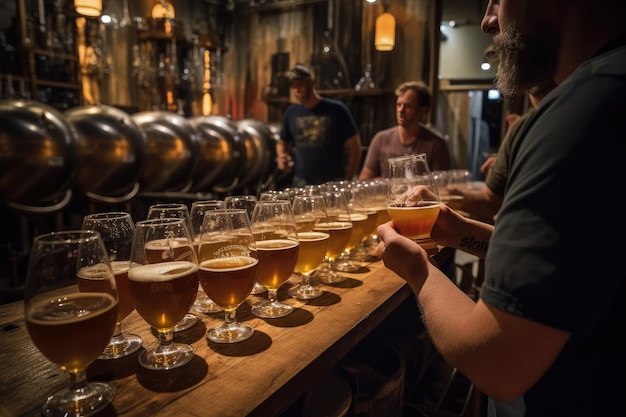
(38, 153)
(171, 152)
(260, 149)
(221, 154)
(112, 150)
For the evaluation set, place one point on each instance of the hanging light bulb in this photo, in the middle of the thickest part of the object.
(385, 35)
(91, 8)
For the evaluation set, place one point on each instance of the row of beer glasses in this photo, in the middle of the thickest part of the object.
(166, 264)
(336, 223)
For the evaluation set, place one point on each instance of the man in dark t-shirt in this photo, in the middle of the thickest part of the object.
(319, 139)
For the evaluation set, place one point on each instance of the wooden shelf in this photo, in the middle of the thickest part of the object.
(342, 92)
(54, 54)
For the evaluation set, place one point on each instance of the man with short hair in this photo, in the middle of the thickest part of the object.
(409, 136)
(319, 132)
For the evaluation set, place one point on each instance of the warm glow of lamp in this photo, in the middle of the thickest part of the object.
(385, 36)
(91, 8)
(163, 9)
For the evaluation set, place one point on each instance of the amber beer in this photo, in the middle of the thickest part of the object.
(74, 329)
(340, 233)
(313, 246)
(162, 250)
(415, 222)
(359, 228)
(277, 260)
(370, 225)
(228, 281)
(88, 282)
(383, 215)
(163, 292)
(453, 201)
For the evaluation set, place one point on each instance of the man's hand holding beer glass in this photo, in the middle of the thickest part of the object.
(412, 199)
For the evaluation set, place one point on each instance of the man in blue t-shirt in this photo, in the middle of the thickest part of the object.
(319, 133)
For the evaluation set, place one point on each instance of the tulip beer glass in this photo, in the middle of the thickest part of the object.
(309, 211)
(71, 303)
(277, 245)
(412, 198)
(228, 267)
(117, 229)
(203, 303)
(163, 283)
(175, 210)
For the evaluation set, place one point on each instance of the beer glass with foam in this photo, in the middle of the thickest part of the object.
(116, 229)
(339, 227)
(175, 210)
(70, 309)
(309, 211)
(228, 267)
(246, 202)
(413, 199)
(203, 303)
(163, 281)
(277, 245)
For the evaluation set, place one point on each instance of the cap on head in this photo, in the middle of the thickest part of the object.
(300, 72)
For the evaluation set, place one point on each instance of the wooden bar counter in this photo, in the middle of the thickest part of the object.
(261, 376)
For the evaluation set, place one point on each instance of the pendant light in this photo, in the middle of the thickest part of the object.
(89, 8)
(385, 35)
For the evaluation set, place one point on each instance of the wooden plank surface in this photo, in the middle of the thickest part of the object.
(261, 376)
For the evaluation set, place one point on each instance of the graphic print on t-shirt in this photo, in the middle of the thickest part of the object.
(311, 131)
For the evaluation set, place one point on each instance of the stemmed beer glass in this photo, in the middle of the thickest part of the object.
(359, 222)
(339, 227)
(274, 230)
(246, 202)
(203, 302)
(228, 267)
(163, 283)
(116, 229)
(309, 212)
(412, 199)
(70, 311)
(175, 210)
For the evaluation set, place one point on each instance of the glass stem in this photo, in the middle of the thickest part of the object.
(166, 338)
(78, 380)
(118, 330)
(306, 280)
(272, 295)
(230, 317)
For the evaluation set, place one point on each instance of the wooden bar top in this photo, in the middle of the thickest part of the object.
(261, 376)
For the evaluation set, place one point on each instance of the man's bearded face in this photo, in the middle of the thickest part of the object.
(525, 59)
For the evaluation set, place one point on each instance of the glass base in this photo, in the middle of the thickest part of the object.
(89, 400)
(272, 310)
(258, 288)
(204, 304)
(346, 265)
(330, 277)
(186, 323)
(364, 253)
(305, 292)
(121, 346)
(230, 333)
(166, 357)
